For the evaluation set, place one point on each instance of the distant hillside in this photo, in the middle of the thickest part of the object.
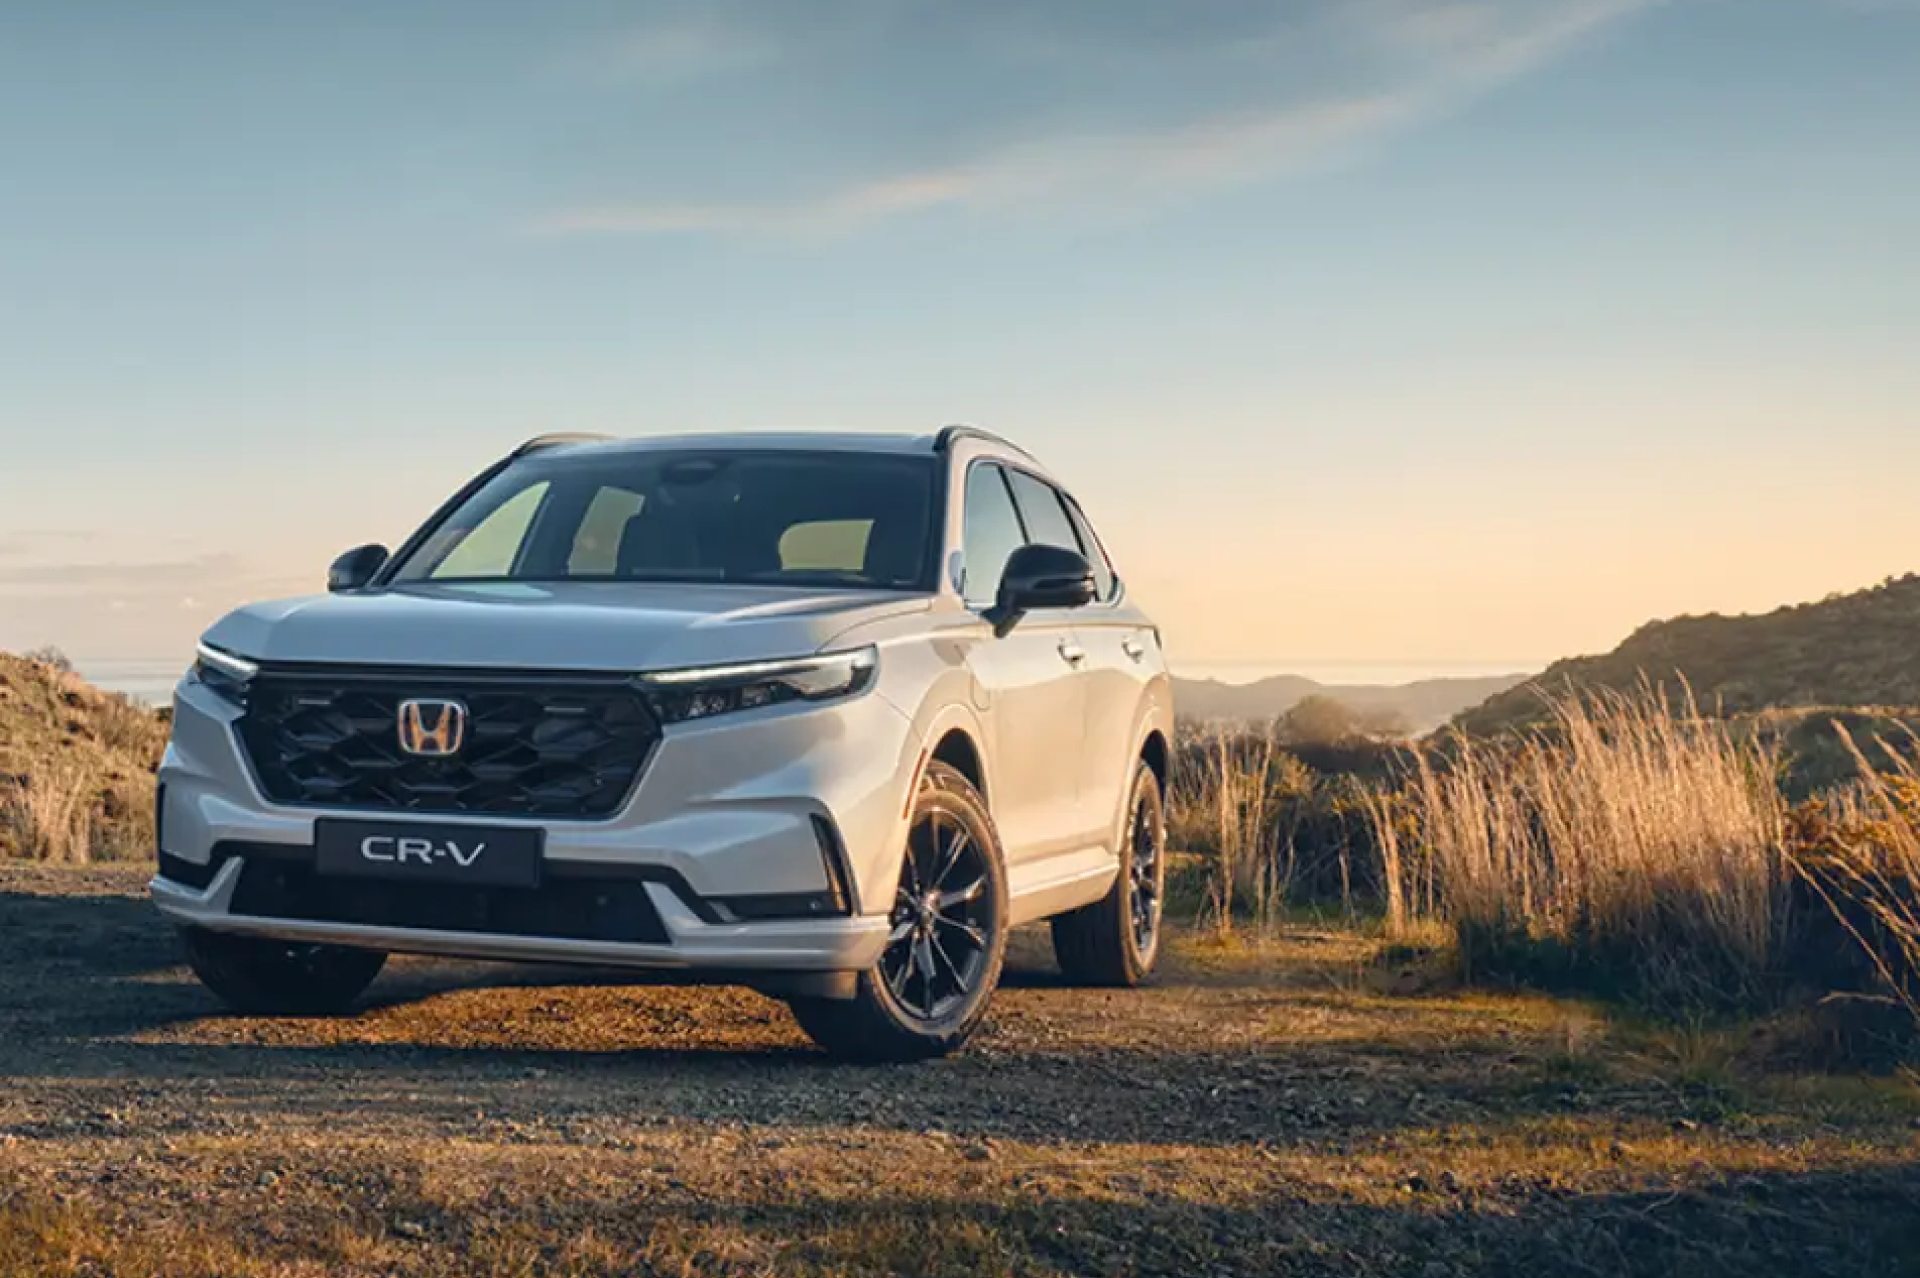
(1420, 706)
(76, 766)
(1857, 650)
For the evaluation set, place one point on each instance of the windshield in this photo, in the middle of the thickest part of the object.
(770, 518)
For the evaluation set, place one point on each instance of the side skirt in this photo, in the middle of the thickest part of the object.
(1061, 883)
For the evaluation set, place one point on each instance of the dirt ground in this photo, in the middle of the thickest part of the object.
(1286, 1108)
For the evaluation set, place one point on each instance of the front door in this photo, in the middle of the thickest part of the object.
(1028, 687)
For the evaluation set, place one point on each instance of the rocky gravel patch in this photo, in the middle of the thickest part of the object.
(1273, 1109)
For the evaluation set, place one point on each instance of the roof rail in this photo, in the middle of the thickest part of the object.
(559, 439)
(943, 442)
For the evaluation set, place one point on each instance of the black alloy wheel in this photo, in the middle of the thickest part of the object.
(1116, 940)
(1146, 877)
(943, 916)
(946, 936)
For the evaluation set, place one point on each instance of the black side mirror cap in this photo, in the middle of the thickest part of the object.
(356, 568)
(1042, 577)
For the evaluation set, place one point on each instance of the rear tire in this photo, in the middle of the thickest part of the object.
(948, 938)
(1115, 940)
(264, 977)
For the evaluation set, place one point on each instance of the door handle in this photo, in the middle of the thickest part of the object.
(1072, 653)
(1134, 649)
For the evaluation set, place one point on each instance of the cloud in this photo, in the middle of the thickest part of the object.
(97, 576)
(1136, 166)
(132, 585)
(130, 607)
(689, 47)
(1095, 105)
(29, 541)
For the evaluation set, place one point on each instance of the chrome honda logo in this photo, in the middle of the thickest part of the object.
(432, 729)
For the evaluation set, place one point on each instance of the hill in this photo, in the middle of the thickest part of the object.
(1854, 650)
(76, 766)
(1420, 706)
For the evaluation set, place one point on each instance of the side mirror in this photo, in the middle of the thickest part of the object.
(356, 568)
(1042, 577)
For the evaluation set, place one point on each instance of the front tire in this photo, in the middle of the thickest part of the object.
(947, 942)
(264, 977)
(1115, 940)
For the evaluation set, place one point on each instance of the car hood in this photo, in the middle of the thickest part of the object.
(602, 626)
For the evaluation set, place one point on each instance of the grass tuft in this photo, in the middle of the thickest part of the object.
(1635, 847)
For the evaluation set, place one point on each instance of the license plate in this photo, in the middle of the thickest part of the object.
(452, 854)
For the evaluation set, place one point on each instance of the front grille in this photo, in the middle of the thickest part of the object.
(572, 909)
(563, 747)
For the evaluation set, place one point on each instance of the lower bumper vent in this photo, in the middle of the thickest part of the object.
(617, 910)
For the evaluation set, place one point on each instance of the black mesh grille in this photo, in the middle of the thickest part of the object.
(535, 746)
(583, 909)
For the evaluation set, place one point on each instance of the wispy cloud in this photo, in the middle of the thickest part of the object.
(1378, 67)
(1137, 166)
(688, 47)
(35, 540)
(92, 576)
(128, 606)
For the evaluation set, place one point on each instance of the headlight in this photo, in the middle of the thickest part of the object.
(223, 674)
(705, 691)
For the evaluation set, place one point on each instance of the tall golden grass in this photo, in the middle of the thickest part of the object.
(1631, 846)
(1633, 841)
(1859, 851)
(51, 812)
(1237, 799)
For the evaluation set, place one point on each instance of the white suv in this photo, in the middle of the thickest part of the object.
(820, 715)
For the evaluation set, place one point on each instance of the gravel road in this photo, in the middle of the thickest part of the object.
(1281, 1108)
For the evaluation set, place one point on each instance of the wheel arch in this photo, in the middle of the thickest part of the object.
(958, 750)
(1153, 746)
(1157, 753)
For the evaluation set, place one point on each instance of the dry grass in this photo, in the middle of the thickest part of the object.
(1238, 801)
(1860, 853)
(76, 766)
(51, 814)
(1636, 844)
(70, 809)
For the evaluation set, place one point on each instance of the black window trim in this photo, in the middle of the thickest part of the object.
(1006, 466)
(1077, 515)
(1013, 504)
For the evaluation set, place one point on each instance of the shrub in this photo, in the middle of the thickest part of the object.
(122, 725)
(50, 812)
(1269, 829)
(1635, 846)
(52, 658)
(1859, 853)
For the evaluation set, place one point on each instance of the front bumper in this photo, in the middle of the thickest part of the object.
(729, 812)
(799, 945)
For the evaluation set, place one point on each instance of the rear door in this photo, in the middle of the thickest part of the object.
(1033, 701)
(1123, 661)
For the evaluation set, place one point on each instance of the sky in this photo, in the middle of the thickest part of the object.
(1425, 332)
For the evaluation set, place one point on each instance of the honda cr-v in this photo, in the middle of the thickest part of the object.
(821, 715)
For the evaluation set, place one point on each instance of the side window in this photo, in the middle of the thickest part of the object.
(596, 547)
(1103, 576)
(991, 534)
(1043, 512)
(492, 547)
